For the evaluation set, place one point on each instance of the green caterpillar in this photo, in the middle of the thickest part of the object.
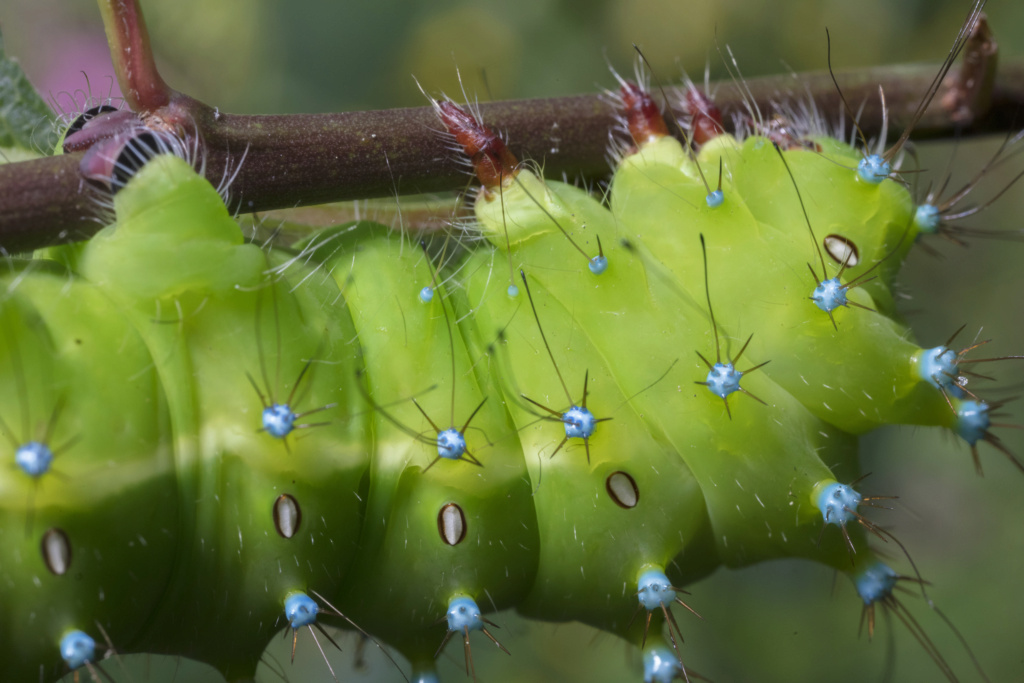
(176, 274)
(146, 362)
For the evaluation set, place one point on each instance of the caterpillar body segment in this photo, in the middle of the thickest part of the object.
(599, 313)
(457, 529)
(225, 475)
(765, 221)
(234, 472)
(736, 481)
(67, 533)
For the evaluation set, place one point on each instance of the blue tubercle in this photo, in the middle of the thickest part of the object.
(513, 291)
(300, 610)
(426, 294)
(715, 199)
(875, 582)
(279, 420)
(77, 649)
(873, 169)
(598, 265)
(463, 614)
(838, 503)
(660, 664)
(654, 590)
(927, 219)
(972, 421)
(424, 676)
(579, 423)
(34, 458)
(829, 295)
(451, 444)
(938, 366)
(723, 379)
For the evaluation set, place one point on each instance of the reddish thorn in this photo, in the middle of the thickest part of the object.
(491, 158)
(642, 114)
(706, 117)
(780, 131)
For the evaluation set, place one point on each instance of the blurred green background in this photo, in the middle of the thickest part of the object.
(785, 621)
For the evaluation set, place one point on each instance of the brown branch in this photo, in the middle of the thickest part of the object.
(310, 159)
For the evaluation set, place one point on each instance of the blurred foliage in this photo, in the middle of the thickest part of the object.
(24, 117)
(257, 56)
(767, 623)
